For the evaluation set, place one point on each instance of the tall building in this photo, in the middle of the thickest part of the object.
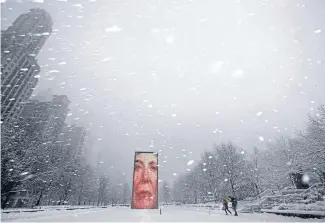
(47, 117)
(45, 95)
(75, 140)
(60, 108)
(17, 87)
(28, 33)
(88, 149)
(20, 44)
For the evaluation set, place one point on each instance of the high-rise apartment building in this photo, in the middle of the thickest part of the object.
(20, 44)
(47, 117)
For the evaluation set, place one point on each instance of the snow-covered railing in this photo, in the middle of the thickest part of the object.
(286, 197)
(296, 213)
(314, 186)
(51, 208)
(268, 192)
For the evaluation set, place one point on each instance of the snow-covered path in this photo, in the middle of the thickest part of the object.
(170, 214)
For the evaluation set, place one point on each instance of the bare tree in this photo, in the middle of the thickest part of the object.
(126, 193)
(232, 165)
(165, 190)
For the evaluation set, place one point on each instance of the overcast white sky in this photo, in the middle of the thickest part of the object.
(176, 76)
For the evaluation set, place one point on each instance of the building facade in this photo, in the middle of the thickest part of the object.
(47, 117)
(75, 140)
(20, 44)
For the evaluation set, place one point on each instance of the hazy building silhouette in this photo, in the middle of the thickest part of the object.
(20, 44)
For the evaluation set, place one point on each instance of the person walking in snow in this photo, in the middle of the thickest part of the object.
(225, 206)
(234, 204)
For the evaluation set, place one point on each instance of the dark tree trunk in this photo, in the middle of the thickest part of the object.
(321, 176)
(232, 188)
(4, 202)
(5, 189)
(296, 179)
(257, 190)
(39, 199)
(80, 194)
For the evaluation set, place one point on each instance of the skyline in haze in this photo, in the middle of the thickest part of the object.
(178, 76)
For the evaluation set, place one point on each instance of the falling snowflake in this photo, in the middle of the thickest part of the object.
(106, 59)
(79, 6)
(216, 66)
(113, 28)
(261, 138)
(54, 71)
(155, 30)
(190, 162)
(259, 113)
(305, 178)
(170, 39)
(204, 170)
(203, 19)
(317, 31)
(175, 174)
(238, 73)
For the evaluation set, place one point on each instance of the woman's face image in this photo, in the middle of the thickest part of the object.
(145, 181)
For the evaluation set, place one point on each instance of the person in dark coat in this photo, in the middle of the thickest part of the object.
(234, 204)
(225, 206)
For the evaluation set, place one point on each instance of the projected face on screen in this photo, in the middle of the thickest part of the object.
(145, 181)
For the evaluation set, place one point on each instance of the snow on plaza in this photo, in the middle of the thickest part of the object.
(169, 214)
(162, 110)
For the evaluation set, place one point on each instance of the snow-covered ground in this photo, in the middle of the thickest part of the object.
(169, 214)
